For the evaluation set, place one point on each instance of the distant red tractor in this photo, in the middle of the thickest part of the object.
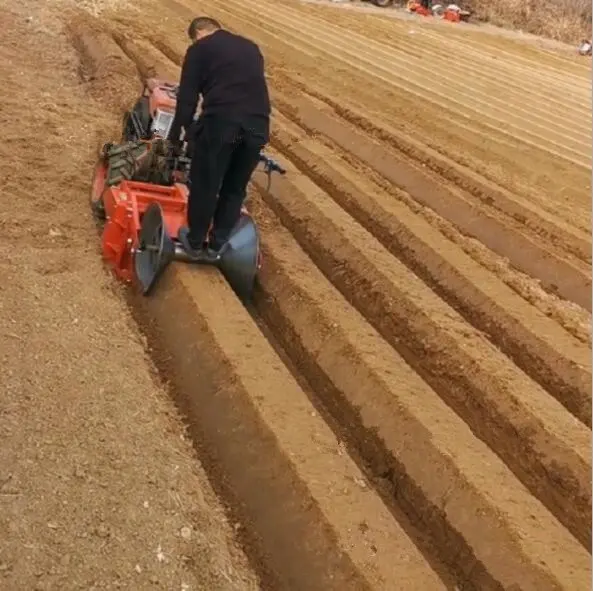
(380, 3)
(140, 190)
(449, 12)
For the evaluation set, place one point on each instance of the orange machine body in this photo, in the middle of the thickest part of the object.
(449, 14)
(161, 95)
(417, 8)
(125, 204)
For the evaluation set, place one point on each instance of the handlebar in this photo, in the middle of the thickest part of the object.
(180, 162)
(270, 165)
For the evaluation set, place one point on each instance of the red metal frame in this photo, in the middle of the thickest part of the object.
(125, 204)
(417, 8)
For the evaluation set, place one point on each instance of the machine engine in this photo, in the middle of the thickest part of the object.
(152, 115)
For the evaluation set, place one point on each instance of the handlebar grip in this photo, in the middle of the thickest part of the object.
(271, 165)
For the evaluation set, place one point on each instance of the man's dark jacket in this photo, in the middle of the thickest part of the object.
(228, 71)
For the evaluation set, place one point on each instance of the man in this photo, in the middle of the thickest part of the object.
(233, 127)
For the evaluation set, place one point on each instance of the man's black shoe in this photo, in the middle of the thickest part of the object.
(200, 254)
(220, 249)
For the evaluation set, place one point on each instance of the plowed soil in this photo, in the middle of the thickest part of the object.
(406, 406)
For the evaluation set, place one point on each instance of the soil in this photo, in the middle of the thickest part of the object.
(406, 404)
(100, 487)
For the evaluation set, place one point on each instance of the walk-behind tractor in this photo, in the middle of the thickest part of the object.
(140, 191)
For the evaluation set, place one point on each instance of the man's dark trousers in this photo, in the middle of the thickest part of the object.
(224, 155)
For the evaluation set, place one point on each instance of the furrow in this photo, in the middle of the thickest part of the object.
(524, 58)
(149, 61)
(110, 75)
(553, 67)
(556, 275)
(534, 342)
(269, 452)
(524, 215)
(572, 318)
(483, 65)
(450, 78)
(554, 184)
(542, 443)
(319, 526)
(518, 200)
(391, 415)
(454, 486)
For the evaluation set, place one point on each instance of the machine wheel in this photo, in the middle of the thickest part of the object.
(382, 3)
(122, 161)
(142, 112)
(120, 169)
(97, 188)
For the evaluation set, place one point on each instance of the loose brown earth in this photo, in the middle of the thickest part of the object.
(99, 485)
(408, 403)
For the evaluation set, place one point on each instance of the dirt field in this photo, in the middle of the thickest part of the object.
(408, 404)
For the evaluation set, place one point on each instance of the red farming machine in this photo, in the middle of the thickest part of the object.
(140, 191)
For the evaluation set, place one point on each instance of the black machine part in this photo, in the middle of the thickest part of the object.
(137, 121)
(156, 249)
(239, 259)
(271, 166)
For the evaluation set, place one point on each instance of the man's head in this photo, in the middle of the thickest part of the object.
(202, 27)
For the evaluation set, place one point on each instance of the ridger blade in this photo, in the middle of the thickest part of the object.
(240, 258)
(155, 248)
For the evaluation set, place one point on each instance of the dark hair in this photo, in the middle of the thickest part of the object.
(202, 23)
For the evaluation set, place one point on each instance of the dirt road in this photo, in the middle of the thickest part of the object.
(408, 404)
